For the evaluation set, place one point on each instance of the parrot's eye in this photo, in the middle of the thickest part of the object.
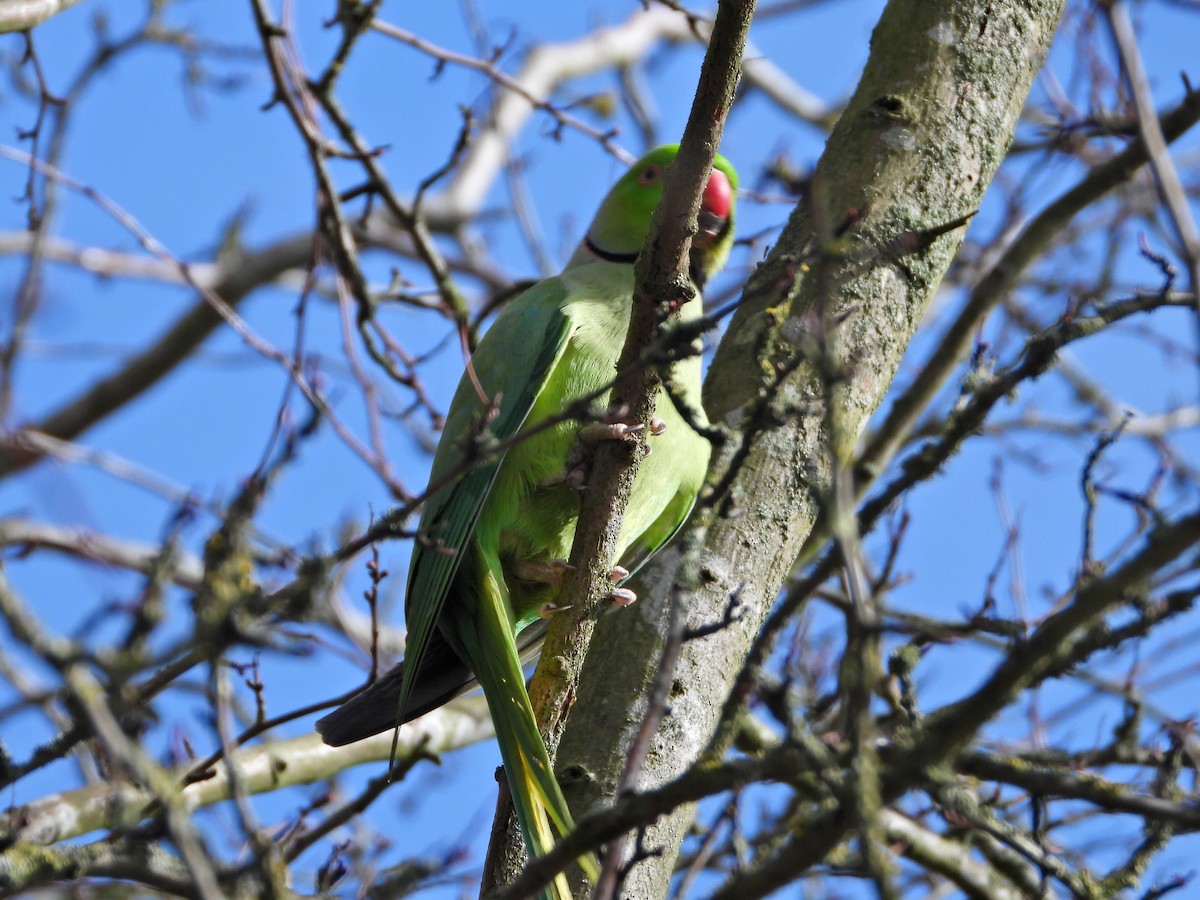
(650, 174)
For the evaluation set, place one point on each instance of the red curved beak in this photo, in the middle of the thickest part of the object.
(715, 204)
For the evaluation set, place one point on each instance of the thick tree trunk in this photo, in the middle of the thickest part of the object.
(917, 146)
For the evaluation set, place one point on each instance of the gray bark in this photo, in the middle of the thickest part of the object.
(915, 150)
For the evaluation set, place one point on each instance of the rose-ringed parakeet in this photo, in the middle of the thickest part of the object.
(491, 544)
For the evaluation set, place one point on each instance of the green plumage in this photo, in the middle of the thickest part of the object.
(482, 568)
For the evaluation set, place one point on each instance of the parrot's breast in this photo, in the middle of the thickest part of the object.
(534, 505)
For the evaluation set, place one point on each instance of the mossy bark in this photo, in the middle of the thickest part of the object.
(852, 274)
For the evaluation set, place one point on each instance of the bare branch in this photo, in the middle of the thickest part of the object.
(21, 15)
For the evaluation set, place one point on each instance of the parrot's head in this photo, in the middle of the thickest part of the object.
(623, 220)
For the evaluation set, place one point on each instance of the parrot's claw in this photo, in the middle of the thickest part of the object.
(608, 431)
(543, 571)
(657, 426)
(574, 477)
(622, 597)
(618, 573)
(548, 610)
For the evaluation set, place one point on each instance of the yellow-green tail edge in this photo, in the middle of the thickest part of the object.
(538, 801)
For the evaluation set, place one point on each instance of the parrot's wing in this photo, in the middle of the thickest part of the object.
(443, 677)
(507, 373)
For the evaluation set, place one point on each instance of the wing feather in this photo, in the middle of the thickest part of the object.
(511, 377)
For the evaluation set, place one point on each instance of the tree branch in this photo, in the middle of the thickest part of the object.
(21, 15)
(662, 284)
(915, 149)
(268, 767)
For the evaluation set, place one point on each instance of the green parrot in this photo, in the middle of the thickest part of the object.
(492, 544)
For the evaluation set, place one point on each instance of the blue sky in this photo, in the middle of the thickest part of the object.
(184, 168)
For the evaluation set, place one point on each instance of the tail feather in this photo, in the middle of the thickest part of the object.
(535, 810)
(377, 708)
(542, 811)
(443, 677)
(482, 649)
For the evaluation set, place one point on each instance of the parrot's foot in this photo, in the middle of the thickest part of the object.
(608, 431)
(619, 431)
(573, 476)
(622, 597)
(547, 610)
(595, 432)
(543, 571)
(618, 573)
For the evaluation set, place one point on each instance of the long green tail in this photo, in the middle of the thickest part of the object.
(538, 800)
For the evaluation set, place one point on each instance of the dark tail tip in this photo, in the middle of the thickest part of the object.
(334, 729)
(368, 713)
